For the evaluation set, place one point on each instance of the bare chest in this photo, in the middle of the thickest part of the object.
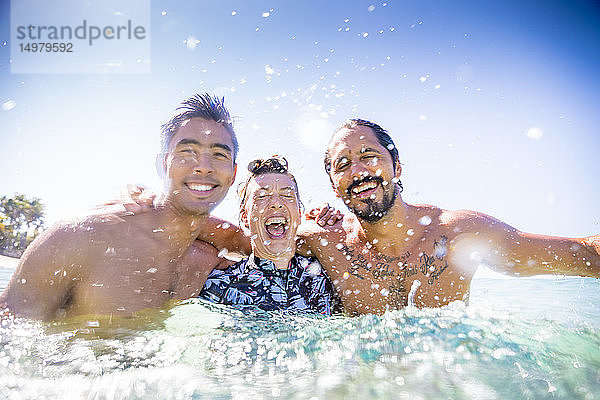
(369, 279)
(125, 278)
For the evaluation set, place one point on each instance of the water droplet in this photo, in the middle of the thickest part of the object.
(9, 105)
(425, 220)
(314, 268)
(410, 232)
(535, 133)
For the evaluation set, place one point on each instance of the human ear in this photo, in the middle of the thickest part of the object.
(161, 165)
(333, 186)
(234, 174)
(398, 169)
(244, 218)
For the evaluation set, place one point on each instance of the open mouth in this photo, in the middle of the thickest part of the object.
(364, 188)
(201, 189)
(276, 226)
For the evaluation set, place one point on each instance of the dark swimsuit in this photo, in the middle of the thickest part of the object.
(254, 281)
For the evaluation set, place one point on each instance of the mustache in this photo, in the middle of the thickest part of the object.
(366, 179)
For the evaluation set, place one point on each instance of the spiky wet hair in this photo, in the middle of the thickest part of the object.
(199, 106)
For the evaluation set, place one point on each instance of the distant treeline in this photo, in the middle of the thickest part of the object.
(21, 220)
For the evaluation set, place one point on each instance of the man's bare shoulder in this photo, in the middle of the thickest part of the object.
(65, 240)
(456, 222)
(433, 217)
(457, 218)
(64, 230)
(425, 212)
(75, 234)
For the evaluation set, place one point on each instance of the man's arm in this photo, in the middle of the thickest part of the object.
(219, 233)
(317, 224)
(195, 266)
(224, 235)
(45, 275)
(485, 240)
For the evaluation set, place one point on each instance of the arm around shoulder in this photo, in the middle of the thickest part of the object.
(224, 235)
(312, 236)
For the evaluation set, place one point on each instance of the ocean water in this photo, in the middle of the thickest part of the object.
(517, 339)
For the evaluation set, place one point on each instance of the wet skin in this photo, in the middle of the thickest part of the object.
(416, 253)
(272, 197)
(420, 253)
(412, 253)
(117, 264)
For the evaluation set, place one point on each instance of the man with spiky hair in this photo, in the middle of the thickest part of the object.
(118, 263)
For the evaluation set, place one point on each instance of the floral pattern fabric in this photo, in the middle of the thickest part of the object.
(254, 281)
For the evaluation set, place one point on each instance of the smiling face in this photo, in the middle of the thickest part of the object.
(272, 213)
(362, 172)
(199, 166)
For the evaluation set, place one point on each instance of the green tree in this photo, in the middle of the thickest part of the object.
(21, 220)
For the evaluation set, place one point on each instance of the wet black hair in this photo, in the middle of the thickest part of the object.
(199, 106)
(383, 137)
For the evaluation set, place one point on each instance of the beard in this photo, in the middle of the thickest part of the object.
(374, 210)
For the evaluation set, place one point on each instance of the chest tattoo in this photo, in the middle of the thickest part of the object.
(432, 266)
(381, 266)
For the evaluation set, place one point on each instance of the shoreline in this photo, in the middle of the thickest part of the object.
(8, 262)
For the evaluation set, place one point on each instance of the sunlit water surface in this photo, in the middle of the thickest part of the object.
(519, 339)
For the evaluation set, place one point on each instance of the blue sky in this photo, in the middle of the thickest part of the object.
(493, 105)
